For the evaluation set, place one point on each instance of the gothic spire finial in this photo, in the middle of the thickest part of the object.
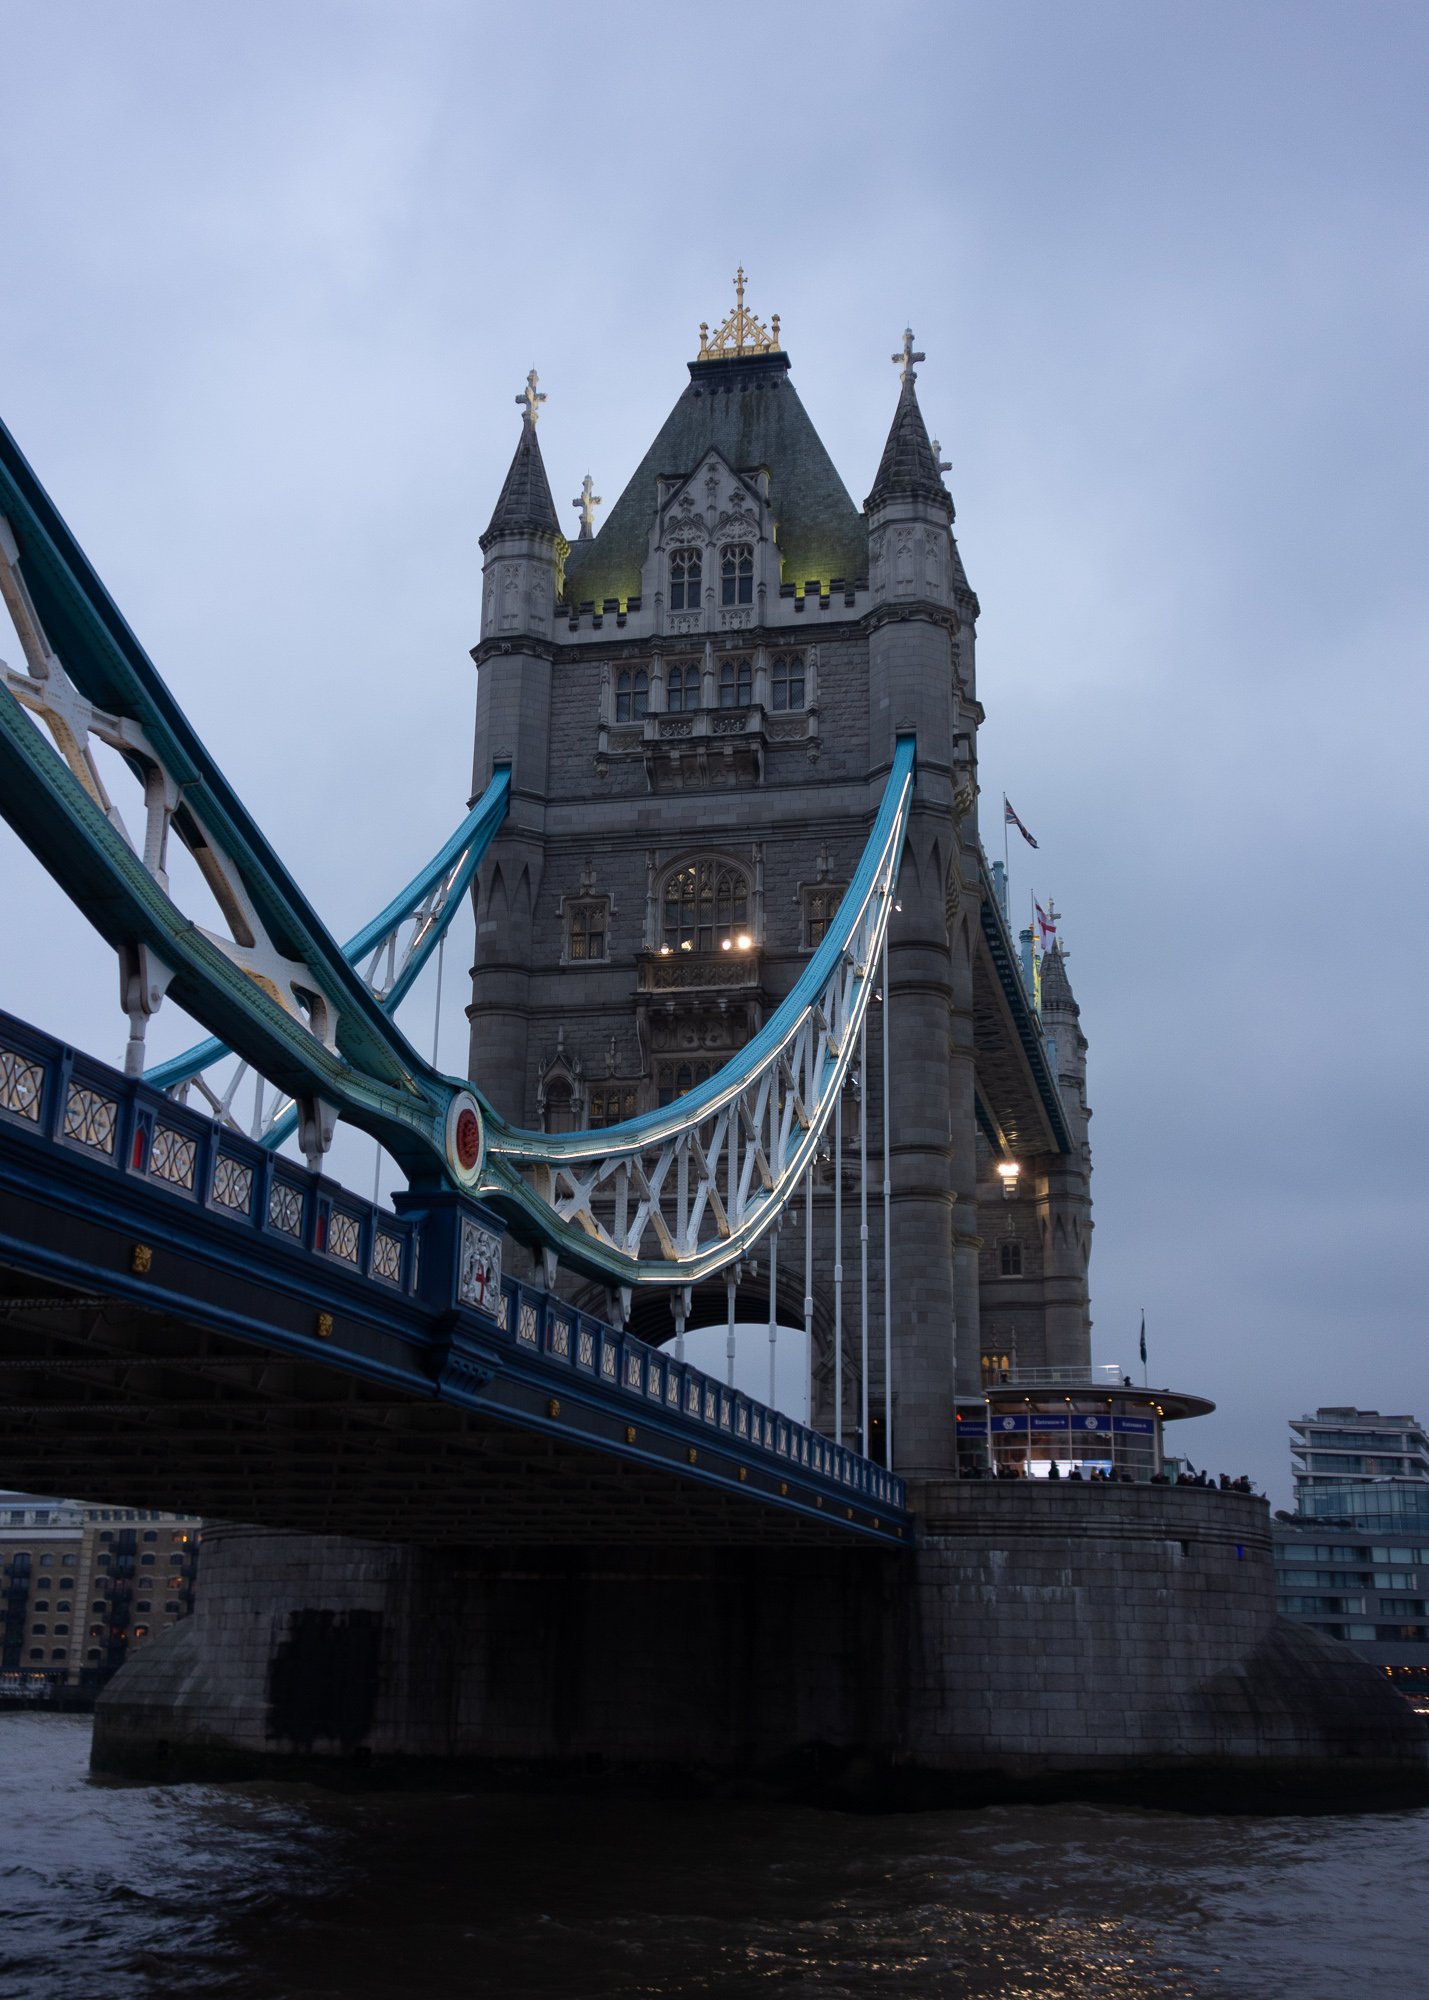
(741, 333)
(587, 502)
(907, 372)
(532, 398)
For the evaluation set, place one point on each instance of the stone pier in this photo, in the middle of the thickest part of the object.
(1039, 1641)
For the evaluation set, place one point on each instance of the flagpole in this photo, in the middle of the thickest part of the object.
(1145, 1379)
(1006, 864)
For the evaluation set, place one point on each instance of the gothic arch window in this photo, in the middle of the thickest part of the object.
(736, 573)
(705, 907)
(685, 573)
(632, 694)
(560, 1107)
(678, 1079)
(613, 1105)
(996, 1368)
(736, 683)
(1012, 1260)
(682, 685)
(786, 681)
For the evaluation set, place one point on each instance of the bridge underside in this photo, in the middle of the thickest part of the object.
(100, 1398)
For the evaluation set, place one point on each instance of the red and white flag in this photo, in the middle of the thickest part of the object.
(1044, 924)
(1011, 819)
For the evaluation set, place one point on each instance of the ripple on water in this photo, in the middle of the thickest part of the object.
(285, 1892)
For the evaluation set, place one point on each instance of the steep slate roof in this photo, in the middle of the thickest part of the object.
(748, 410)
(1056, 987)
(524, 505)
(908, 467)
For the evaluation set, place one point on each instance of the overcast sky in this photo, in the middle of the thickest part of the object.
(273, 275)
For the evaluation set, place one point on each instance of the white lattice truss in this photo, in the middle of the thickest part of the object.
(692, 1188)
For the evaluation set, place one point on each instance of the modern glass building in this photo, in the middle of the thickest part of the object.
(1354, 1562)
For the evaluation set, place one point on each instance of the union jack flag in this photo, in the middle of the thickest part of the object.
(1011, 819)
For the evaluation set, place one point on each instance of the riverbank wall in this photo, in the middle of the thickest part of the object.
(1036, 1641)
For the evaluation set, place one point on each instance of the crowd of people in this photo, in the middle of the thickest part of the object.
(1114, 1476)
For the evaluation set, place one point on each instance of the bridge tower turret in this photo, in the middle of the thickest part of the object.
(1064, 1191)
(921, 628)
(522, 576)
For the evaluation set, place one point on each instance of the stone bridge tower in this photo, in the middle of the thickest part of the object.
(699, 703)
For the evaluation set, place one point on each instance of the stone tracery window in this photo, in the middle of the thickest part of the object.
(613, 1105)
(736, 683)
(632, 694)
(820, 906)
(786, 681)
(736, 573)
(705, 908)
(686, 569)
(1011, 1260)
(678, 1079)
(682, 685)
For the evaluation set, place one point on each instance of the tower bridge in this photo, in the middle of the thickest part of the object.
(749, 1038)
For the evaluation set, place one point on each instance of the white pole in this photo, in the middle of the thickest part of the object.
(809, 1285)
(863, 1235)
(887, 1238)
(729, 1339)
(773, 1309)
(437, 1009)
(839, 1267)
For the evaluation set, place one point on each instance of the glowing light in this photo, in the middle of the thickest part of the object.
(664, 951)
(724, 944)
(744, 940)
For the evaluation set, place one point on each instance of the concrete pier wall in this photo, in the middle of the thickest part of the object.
(1037, 1640)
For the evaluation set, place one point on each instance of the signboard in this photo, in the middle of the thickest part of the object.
(1087, 1427)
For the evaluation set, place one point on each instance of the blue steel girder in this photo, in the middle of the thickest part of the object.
(665, 1199)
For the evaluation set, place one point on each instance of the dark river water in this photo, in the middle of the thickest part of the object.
(279, 1892)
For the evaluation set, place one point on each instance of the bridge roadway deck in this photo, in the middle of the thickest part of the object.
(188, 1321)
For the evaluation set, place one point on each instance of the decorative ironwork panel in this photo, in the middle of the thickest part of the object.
(503, 1313)
(526, 1326)
(90, 1118)
(632, 1372)
(285, 1209)
(172, 1156)
(233, 1185)
(343, 1233)
(560, 1338)
(672, 1388)
(741, 1421)
(711, 1407)
(724, 1410)
(607, 1360)
(585, 1348)
(387, 1257)
(20, 1085)
(479, 1279)
(692, 1400)
(653, 1385)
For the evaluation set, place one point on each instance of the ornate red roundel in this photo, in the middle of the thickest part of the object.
(468, 1139)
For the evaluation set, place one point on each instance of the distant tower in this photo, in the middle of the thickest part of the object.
(700, 703)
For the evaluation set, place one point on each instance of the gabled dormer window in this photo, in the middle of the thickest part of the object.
(736, 573)
(685, 574)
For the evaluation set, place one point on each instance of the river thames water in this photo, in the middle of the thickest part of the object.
(281, 1892)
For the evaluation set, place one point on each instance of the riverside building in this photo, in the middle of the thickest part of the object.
(1354, 1562)
(82, 1587)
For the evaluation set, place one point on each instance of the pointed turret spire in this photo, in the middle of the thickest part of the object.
(525, 506)
(909, 468)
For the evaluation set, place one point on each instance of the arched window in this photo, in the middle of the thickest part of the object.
(586, 928)
(786, 680)
(685, 573)
(632, 694)
(820, 908)
(736, 573)
(736, 683)
(706, 908)
(679, 1079)
(682, 686)
(560, 1114)
(1012, 1260)
(996, 1368)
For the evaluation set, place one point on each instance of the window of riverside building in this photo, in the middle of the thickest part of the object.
(146, 1559)
(682, 686)
(1012, 1260)
(1402, 1607)
(59, 1652)
(1419, 1632)
(173, 1605)
(586, 924)
(632, 694)
(736, 683)
(102, 1562)
(106, 1534)
(736, 573)
(61, 1631)
(150, 1536)
(67, 1562)
(93, 1653)
(46, 1562)
(38, 1631)
(612, 1106)
(786, 680)
(96, 1631)
(705, 907)
(685, 573)
(143, 1604)
(99, 1605)
(40, 1604)
(37, 1652)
